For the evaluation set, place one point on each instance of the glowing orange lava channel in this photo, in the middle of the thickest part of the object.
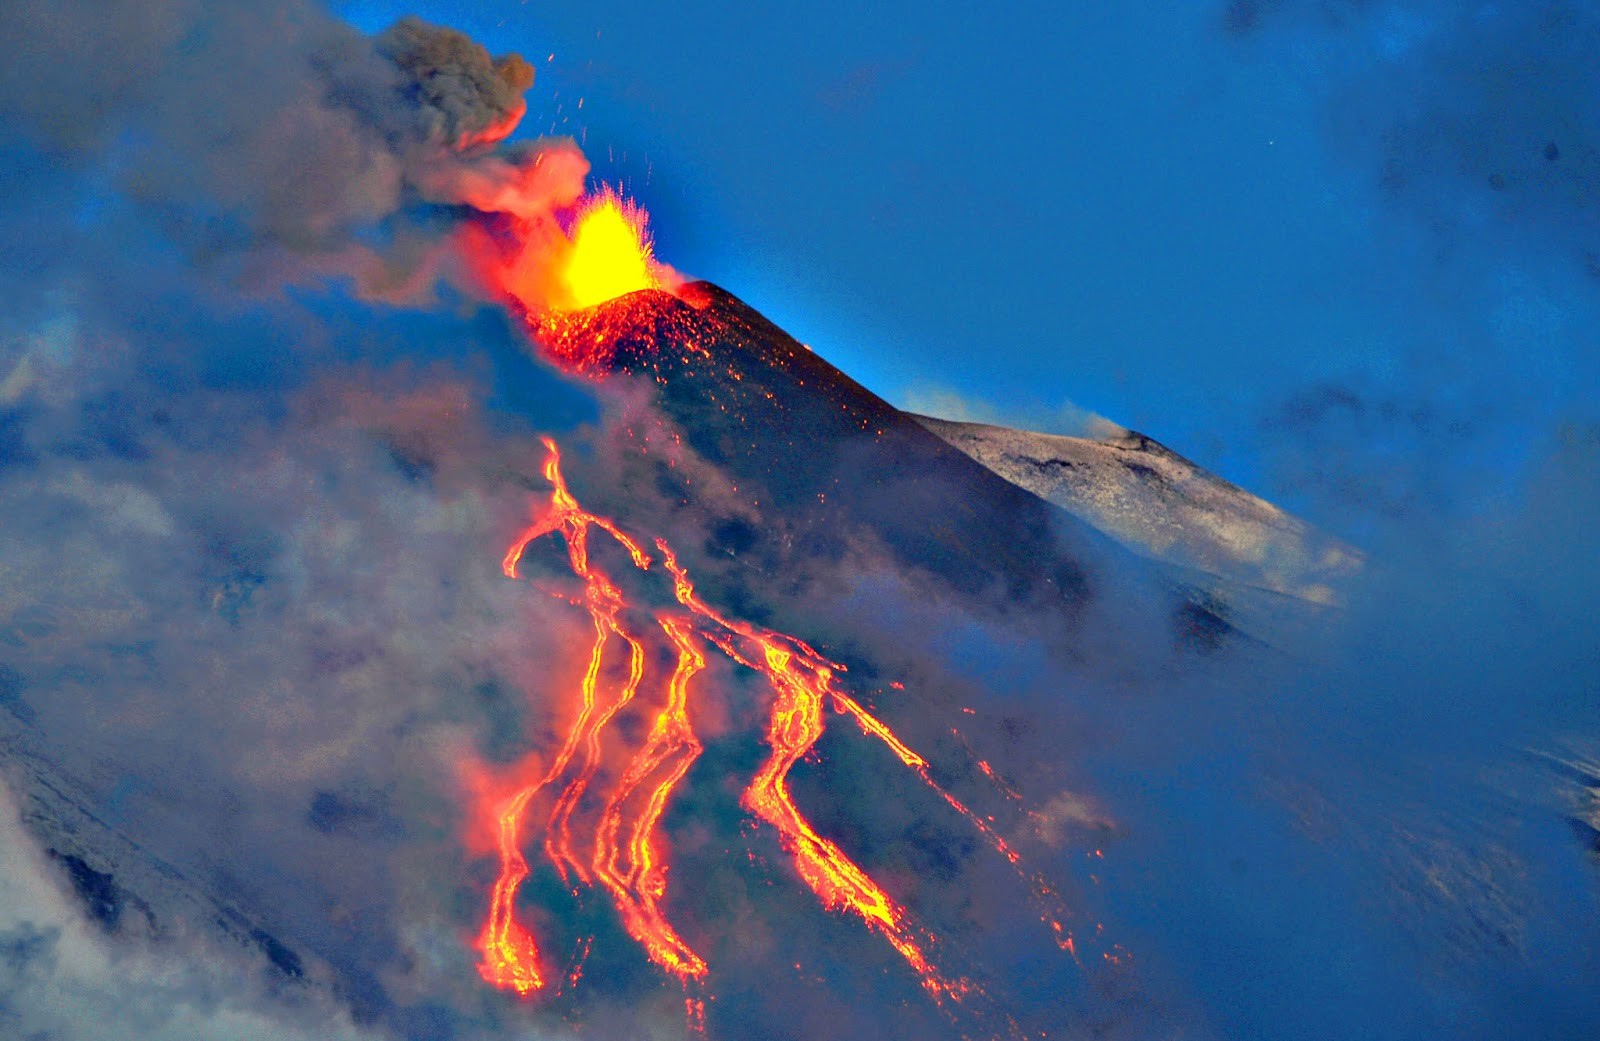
(624, 855)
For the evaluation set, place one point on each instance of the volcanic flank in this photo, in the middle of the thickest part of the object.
(801, 439)
(1156, 502)
(827, 462)
(815, 443)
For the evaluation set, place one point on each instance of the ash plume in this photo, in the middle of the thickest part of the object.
(325, 154)
(458, 93)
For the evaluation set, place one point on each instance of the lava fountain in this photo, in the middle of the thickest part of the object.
(549, 269)
(611, 253)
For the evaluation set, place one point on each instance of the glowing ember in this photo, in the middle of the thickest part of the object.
(624, 853)
(610, 253)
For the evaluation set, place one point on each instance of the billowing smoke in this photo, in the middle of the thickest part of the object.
(314, 152)
(459, 94)
(201, 201)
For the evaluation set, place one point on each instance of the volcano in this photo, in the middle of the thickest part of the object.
(736, 455)
(802, 441)
(426, 615)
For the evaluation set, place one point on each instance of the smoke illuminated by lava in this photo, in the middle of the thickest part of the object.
(623, 851)
(543, 267)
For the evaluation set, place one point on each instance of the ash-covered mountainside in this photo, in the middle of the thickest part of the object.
(802, 442)
(128, 889)
(799, 482)
(1156, 502)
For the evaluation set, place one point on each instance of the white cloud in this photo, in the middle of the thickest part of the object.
(62, 978)
(947, 403)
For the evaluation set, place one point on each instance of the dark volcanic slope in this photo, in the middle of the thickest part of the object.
(810, 445)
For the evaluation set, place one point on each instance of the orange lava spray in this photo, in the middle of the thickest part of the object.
(610, 255)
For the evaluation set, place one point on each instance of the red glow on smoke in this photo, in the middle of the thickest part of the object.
(550, 257)
(495, 132)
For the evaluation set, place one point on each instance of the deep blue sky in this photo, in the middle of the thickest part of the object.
(1194, 218)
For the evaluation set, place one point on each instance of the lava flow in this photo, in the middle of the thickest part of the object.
(624, 852)
(621, 851)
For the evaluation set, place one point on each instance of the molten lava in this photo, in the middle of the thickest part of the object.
(610, 254)
(546, 272)
(623, 851)
(554, 273)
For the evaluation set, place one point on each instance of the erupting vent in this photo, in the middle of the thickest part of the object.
(569, 259)
(611, 253)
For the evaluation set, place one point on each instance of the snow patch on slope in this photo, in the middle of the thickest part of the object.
(1161, 505)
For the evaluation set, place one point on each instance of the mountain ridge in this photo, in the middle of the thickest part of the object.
(1162, 505)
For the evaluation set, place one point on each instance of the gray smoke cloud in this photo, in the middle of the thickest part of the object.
(259, 644)
(170, 417)
(308, 149)
(460, 92)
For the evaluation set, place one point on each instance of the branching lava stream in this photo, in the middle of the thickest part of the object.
(624, 853)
